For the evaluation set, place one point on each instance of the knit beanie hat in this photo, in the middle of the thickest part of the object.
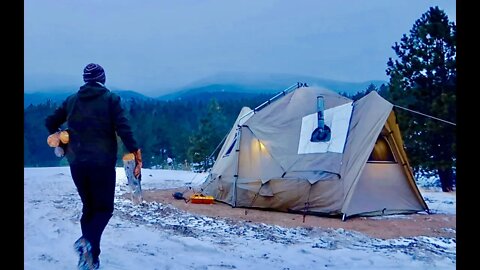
(94, 73)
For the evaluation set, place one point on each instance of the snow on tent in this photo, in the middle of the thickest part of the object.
(271, 160)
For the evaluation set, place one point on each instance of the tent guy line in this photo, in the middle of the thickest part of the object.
(448, 122)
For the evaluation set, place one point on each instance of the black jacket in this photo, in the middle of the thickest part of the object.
(94, 116)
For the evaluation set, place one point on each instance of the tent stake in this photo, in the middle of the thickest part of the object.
(307, 203)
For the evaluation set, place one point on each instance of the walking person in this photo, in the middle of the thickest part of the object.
(94, 116)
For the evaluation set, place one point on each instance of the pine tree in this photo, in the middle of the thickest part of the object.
(371, 87)
(210, 131)
(424, 79)
(36, 151)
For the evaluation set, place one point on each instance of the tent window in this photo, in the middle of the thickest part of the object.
(229, 150)
(381, 151)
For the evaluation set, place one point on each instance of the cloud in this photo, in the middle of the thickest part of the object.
(151, 45)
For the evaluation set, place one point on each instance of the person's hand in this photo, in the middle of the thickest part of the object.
(58, 138)
(137, 172)
(64, 136)
(53, 140)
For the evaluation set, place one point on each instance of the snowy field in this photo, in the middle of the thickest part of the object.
(158, 237)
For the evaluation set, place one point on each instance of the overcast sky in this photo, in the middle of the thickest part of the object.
(153, 45)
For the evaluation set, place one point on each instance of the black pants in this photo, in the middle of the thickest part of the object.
(96, 187)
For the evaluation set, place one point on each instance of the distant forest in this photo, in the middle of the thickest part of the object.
(186, 130)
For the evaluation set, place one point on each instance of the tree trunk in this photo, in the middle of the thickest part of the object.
(446, 179)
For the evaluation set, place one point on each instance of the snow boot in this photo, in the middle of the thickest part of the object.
(84, 249)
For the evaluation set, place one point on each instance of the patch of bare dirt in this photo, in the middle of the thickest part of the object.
(435, 225)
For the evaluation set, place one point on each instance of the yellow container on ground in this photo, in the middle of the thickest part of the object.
(201, 199)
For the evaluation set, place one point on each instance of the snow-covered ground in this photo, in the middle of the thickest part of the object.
(155, 236)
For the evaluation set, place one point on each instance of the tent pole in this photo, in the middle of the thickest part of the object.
(406, 166)
(264, 104)
(282, 93)
(237, 155)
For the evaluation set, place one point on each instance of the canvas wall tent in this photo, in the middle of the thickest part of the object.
(268, 161)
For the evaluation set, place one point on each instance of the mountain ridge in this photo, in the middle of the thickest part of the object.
(57, 97)
(270, 82)
(227, 85)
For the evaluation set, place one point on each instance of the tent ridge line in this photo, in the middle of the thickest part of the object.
(272, 99)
